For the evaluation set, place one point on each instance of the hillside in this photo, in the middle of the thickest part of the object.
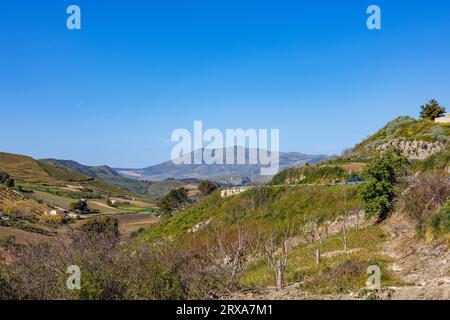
(103, 173)
(263, 204)
(157, 190)
(233, 174)
(415, 139)
(32, 173)
(24, 168)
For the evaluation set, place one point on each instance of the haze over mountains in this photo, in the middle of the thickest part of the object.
(230, 174)
(223, 173)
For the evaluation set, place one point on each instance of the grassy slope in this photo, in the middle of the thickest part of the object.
(11, 202)
(158, 190)
(311, 175)
(259, 205)
(337, 272)
(407, 128)
(32, 172)
(103, 173)
(24, 168)
(273, 205)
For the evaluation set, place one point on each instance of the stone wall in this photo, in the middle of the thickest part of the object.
(415, 149)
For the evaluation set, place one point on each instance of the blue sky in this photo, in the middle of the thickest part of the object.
(113, 92)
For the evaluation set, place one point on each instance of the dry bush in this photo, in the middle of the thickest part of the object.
(423, 196)
(110, 269)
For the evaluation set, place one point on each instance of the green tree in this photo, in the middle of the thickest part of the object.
(176, 199)
(431, 110)
(378, 193)
(79, 205)
(206, 187)
(109, 203)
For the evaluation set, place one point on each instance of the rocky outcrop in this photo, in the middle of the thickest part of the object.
(412, 149)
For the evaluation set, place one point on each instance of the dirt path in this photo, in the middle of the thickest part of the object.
(424, 268)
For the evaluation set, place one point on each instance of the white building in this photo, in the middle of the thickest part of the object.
(51, 213)
(233, 191)
(444, 119)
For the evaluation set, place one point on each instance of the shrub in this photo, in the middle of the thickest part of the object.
(175, 200)
(423, 197)
(431, 110)
(80, 205)
(206, 187)
(378, 192)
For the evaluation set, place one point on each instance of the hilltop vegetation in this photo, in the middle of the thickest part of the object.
(318, 174)
(399, 134)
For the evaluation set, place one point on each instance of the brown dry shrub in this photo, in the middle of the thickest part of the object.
(423, 196)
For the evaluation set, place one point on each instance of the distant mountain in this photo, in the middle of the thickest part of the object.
(103, 173)
(228, 174)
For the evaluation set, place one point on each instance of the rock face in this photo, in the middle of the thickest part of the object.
(412, 149)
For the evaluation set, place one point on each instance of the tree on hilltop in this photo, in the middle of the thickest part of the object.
(431, 110)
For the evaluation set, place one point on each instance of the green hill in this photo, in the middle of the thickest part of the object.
(263, 205)
(416, 139)
(103, 173)
(30, 172)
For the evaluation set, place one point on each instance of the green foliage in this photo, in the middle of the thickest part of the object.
(437, 162)
(311, 175)
(79, 205)
(175, 200)
(337, 273)
(378, 192)
(109, 203)
(206, 187)
(402, 128)
(431, 110)
(264, 205)
(440, 221)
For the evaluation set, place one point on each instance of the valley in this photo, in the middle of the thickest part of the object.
(310, 232)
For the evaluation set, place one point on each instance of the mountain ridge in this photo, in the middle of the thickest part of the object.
(223, 173)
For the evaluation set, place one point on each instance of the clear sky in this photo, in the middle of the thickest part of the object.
(113, 92)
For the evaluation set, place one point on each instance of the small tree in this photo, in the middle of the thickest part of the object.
(79, 205)
(206, 187)
(275, 247)
(378, 192)
(344, 236)
(109, 202)
(175, 200)
(236, 250)
(431, 110)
